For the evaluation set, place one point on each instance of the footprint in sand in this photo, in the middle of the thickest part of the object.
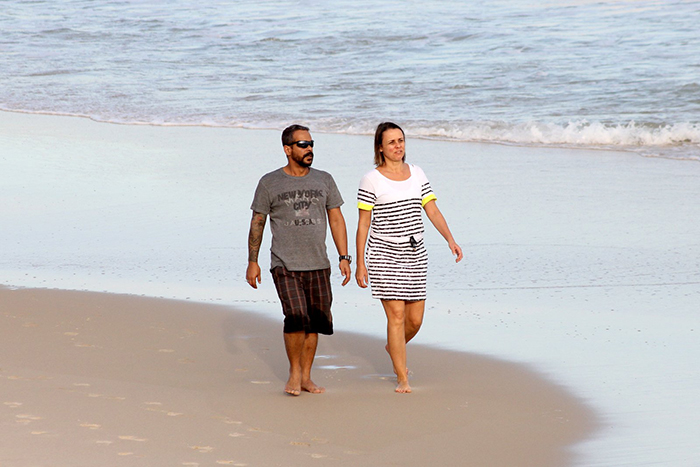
(104, 396)
(202, 448)
(133, 438)
(25, 419)
(257, 430)
(228, 421)
(153, 408)
(92, 426)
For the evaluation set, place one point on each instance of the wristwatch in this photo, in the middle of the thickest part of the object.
(348, 257)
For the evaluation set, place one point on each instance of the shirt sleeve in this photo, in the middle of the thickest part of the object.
(334, 198)
(261, 199)
(366, 194)
(426, 191)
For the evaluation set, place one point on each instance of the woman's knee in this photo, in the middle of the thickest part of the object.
(414, 314)
(395, 313)
(414, 322)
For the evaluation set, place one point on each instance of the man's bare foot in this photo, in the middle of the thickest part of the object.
(293, 386)
(403, 388)
(310, 386)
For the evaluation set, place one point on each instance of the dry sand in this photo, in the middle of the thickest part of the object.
(93, 379)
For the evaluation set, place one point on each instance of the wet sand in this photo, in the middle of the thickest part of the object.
(104, 379)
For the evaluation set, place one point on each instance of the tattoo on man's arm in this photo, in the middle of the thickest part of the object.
(257, 225)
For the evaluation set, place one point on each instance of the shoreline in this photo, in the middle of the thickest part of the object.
(668, 152)
(118, 379)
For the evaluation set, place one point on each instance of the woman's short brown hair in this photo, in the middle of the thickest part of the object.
(378, 135)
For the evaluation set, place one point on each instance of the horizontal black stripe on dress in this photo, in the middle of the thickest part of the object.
(366, 197)
(404, 294)
(391, 267)
(406, 297)
(398, 261)
(397, 219)
(392, 264)
(383, 210)
(396, 289)
(399, 211)
(400, 202)
(403, 246)
(399, 232)
(392, 284)
(389, 214)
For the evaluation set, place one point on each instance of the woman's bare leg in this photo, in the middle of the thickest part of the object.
(414, 318)
(396, 340)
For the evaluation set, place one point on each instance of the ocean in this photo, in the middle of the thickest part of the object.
(595, 74)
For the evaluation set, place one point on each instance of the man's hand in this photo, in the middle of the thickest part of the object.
(252, 274)
(257, 225)
(345, 270)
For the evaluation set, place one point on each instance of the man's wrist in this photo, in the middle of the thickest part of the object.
(347, 258)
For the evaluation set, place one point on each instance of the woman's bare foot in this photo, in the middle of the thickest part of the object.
(310, 386)
(403, 387)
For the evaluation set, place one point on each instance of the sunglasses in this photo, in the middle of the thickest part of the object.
(303, 144)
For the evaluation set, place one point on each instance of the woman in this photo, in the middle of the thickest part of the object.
(390, 199)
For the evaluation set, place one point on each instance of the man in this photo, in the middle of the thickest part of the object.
(301, 202)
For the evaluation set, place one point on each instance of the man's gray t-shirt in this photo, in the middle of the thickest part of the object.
(297, 208)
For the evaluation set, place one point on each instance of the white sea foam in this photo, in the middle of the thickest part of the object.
(677, 141)
(574, 133)
(681, 140)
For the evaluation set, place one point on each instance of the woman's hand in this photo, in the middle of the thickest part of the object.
(361, 275)
(457, 251)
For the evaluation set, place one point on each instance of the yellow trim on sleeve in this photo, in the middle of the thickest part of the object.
(365, 207)
(428, 199)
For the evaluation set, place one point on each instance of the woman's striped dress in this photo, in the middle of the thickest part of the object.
(397, 262)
